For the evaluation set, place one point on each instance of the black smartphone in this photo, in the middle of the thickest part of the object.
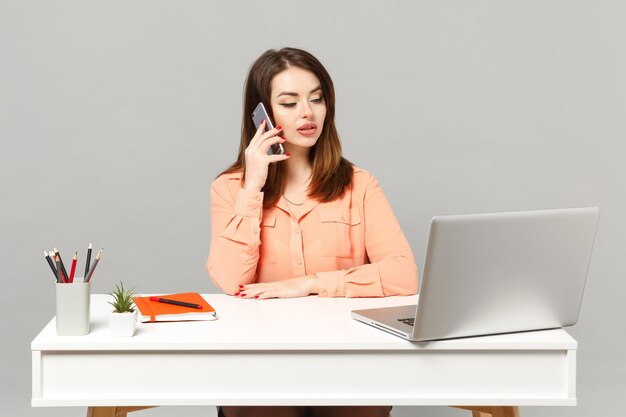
(258, 115)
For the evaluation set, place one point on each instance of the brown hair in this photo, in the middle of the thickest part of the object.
(331, 173)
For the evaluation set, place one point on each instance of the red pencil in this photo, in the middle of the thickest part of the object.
(74, 259)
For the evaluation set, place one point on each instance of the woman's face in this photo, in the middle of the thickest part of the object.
(298, 106)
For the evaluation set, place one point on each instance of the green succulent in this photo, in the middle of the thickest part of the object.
(122, 299)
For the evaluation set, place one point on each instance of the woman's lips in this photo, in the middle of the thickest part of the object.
(307, 130)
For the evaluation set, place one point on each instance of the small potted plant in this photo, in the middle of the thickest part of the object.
(122, 319)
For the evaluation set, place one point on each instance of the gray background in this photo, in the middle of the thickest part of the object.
(115, 116)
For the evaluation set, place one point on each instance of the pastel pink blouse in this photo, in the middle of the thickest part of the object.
(354, 245)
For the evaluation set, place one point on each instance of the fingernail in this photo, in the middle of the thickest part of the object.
(288, 154)
(240, 286)
(256, 296)
(279, 127)
(236, 294)
(243, 295)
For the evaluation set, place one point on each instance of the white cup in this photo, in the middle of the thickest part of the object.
(73, 301)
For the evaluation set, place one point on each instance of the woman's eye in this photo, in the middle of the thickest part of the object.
(287, 104)
(318, 100)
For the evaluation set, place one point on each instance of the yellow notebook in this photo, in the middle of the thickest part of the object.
(151, 311)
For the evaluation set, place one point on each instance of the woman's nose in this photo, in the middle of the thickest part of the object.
(305, 111)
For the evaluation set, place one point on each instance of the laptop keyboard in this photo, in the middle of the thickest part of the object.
(410, 321)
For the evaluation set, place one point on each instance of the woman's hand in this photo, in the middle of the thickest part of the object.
(257, 159)
(290, 288)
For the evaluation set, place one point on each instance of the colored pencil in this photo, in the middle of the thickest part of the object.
(59, 273)
(88, 261)
(93, 267)
(65, 276)
(73, 269)
(49, 259)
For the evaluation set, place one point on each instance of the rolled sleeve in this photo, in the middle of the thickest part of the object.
(360, 281)
(331, 283)
(249, 203)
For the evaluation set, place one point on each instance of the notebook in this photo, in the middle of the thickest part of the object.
(152, 311)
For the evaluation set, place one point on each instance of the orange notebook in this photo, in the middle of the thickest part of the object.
(151, 311)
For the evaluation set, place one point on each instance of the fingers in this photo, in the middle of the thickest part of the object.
(294, 287)
(260, 291)
(265, 145)
(261, 151)
(261, 142)
(260, 136)
(266, 294)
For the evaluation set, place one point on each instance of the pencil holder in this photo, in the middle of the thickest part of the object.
(73, 301)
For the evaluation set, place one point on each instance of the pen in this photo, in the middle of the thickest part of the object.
(73, 269)
(65, 276)
(93, 267)
(178, 303)
(54, 270)
(87, 261)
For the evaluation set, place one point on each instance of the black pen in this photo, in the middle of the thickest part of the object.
(177, 303)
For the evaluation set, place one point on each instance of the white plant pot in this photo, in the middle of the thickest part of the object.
(123, 324)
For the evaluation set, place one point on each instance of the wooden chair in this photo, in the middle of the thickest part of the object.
(491, 411)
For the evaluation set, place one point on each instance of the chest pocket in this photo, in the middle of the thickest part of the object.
(267, 250)
(342, 232)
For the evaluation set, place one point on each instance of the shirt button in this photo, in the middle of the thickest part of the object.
(299, 261)
(258, 198)
(256, 230)
(343, 218)
(297, 232)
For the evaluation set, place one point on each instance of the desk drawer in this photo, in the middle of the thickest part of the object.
(82, 378)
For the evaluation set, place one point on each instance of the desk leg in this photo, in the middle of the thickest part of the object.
(492, 411)
(112, 411)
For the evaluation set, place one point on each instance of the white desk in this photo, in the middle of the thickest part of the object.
(302, 351)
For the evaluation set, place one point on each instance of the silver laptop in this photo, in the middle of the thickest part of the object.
(497, 273)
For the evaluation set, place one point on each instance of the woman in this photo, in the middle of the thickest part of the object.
(306, 222)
